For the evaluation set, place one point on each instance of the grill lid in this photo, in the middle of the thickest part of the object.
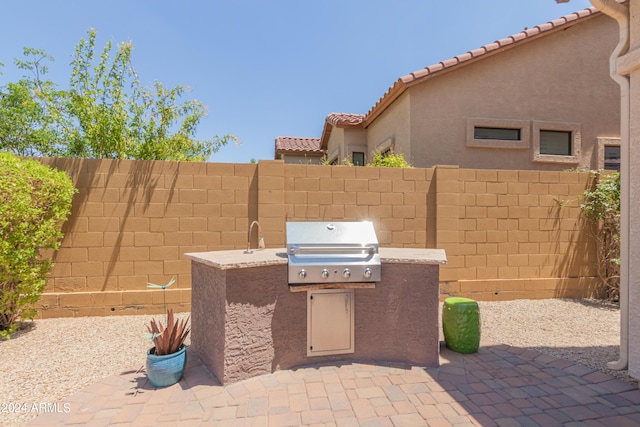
(327, 236)
(332, 252)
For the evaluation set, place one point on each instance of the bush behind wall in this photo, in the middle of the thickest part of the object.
(601, 206)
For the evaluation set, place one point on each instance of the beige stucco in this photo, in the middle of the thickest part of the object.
(392, 129)
(560, 80)
(335, 147)
(355, 140)
(344, 141)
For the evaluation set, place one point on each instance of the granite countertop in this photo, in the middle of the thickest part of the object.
(413, 255)
(226, 260)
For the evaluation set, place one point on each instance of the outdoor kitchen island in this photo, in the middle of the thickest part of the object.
(247, 320)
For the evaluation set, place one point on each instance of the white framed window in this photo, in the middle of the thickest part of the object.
(556, 142)
(498, 133)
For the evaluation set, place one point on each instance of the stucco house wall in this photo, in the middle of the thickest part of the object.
(355, 140)
(392, 129)
(558, 81)
(335, 148)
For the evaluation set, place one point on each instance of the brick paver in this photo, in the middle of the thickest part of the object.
(497, 386)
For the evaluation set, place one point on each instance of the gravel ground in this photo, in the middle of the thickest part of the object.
(581, 330)
(51, 359)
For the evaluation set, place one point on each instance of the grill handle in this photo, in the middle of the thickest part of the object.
(294, 250)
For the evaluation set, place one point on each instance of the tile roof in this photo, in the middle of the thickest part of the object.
(339, 120)
(296, 145)
(499, 45)
(345, 119)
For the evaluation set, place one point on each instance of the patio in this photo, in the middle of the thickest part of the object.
(498, 386)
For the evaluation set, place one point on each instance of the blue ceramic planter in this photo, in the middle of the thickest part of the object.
(166, 370)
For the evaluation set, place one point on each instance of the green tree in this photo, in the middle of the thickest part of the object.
(105, 113)
(29, 126)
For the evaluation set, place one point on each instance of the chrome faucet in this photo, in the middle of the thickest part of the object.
(260, 238)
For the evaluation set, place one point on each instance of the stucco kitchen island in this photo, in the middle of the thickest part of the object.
(246, 321)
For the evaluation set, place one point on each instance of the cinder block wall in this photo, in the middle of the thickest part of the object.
(131, 223)
(395, 200)
(508, 234)
(517, 234)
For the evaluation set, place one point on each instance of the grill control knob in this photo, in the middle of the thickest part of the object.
(367, 273)
(346, 273)
(302, 274)
(324, 273)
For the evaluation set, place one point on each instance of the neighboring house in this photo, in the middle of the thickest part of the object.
(299, 150)
(540, 99)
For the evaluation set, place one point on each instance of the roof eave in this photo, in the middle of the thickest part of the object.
(385, 102)
(326, 134)
(471, 57)
(329, 124)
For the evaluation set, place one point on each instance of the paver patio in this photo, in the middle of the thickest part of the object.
(497, 386)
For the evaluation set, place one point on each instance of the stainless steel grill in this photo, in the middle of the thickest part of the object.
(332, 252)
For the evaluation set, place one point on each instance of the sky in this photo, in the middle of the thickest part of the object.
(269, 68)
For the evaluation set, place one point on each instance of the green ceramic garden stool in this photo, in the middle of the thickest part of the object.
(461, 324)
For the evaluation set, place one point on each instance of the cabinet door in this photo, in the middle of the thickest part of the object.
(330, 322)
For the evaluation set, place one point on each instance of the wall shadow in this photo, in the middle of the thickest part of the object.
(575, 261)
(91, 176)
(139, 188)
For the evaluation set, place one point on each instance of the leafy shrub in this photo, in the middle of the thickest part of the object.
(324, 161)
(380, 160)
(601, 207)
(390, 160)
(35, 200)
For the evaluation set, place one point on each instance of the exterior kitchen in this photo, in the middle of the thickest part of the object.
(331, 296)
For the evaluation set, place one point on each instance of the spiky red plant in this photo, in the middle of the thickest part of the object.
(169, 340)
